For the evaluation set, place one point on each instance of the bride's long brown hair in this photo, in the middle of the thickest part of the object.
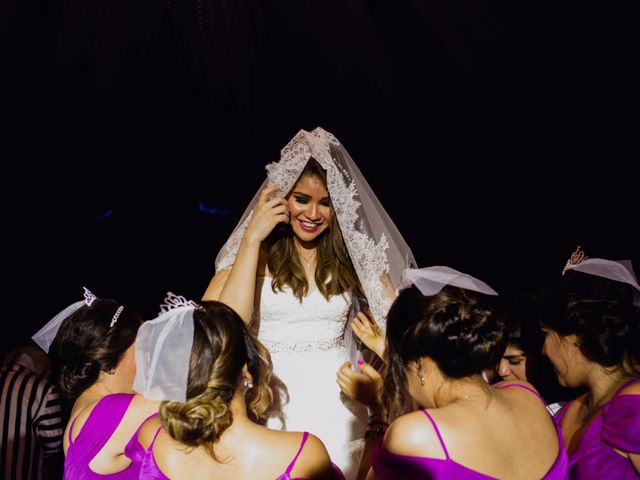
(334, 274)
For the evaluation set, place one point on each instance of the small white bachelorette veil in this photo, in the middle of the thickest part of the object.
(163, 351)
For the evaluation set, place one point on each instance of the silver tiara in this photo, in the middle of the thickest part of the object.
(88, 296)
(173, 301)
(116, 315)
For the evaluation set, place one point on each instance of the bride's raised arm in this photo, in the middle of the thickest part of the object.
(235, 285)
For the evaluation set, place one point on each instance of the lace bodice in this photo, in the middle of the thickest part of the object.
(285, 324)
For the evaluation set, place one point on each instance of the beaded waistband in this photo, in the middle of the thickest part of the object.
(290, 347)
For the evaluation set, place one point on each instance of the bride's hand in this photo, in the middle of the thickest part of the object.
(267, 214)
(369, 332)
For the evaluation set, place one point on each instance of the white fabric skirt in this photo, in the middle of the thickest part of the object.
(308, 398)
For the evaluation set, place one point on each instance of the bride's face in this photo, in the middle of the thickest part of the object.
(310, 208)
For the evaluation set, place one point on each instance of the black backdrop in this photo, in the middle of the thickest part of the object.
(498, 134)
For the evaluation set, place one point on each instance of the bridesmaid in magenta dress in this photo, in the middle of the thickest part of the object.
(214, 376)
(593, 340)
(442, 333)
(92, 347)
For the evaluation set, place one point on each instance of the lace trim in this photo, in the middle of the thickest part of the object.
(368, 256)
(287, 347)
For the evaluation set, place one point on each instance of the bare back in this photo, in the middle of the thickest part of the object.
(242, 451)
(509, 435)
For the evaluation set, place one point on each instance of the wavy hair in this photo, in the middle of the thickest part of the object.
(334, 273)
(222, 345)
(454, 328)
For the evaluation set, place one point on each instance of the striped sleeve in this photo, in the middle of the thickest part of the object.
(48, 421)
(31, 424)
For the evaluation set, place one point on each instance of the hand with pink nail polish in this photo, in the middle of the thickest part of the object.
(364, 387)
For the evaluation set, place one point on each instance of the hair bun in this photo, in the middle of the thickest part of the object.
(198, 421)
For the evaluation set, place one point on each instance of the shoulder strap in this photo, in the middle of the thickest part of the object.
(135, 435)
(435, 427)
(150, 449)
(626, 384)
(305, 436)
(133, 444)
(101, 423)
(529, 389)
(73, 422)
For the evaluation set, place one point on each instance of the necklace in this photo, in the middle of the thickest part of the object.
(307, 261)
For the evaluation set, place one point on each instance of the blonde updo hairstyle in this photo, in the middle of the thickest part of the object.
(222, 345)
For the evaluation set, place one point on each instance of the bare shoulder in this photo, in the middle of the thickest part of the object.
(508, 383)
(144, 406)
(169, 454)
(148, 431)
(631, 389)
(522, 391)
(413, 435)
(313, 462)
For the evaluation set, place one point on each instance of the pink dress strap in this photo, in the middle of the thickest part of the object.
(133, 449)
(305, 436)
(435, 427)
(529, 389)
(154, 439)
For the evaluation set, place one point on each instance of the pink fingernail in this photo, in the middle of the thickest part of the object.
(360, 362)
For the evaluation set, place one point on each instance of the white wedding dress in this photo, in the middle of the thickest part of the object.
(306, 345)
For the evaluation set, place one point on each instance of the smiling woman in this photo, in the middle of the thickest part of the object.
(312, 240)
(309, 205)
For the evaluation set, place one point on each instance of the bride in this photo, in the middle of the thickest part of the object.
(313, 248)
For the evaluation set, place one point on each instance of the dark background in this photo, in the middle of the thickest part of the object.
(497, 134)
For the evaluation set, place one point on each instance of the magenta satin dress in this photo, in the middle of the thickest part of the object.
(150, 470)
(390, 466)
(96, 431)
(617, 427)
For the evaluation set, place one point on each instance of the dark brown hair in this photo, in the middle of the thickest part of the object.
(455, 328)
(600, 312)
(87, 344)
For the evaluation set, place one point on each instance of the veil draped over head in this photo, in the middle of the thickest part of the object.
(376, 247)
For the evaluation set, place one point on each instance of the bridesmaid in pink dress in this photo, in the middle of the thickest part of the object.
(215, 383)
(92, 348)
(593, 340)
(442, 333)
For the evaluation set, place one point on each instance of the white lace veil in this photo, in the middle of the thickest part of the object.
(376, 247)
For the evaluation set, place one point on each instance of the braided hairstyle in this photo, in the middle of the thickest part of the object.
(462, 335)
(222, 345)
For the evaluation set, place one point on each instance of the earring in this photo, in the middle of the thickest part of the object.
(248, 384)
(420, 373)
(112, 371)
